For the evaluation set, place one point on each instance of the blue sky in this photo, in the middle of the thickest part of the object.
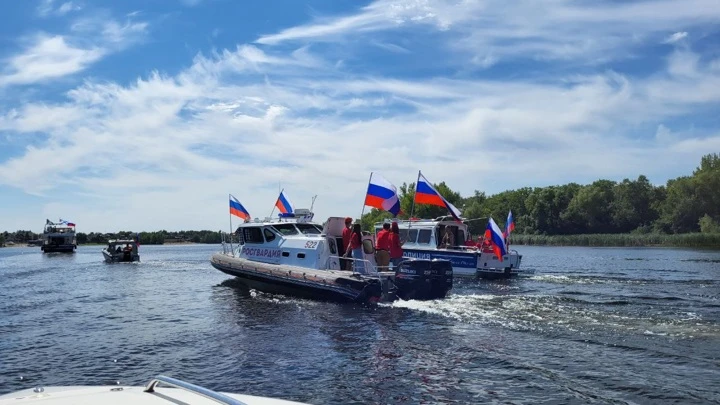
(144, 115)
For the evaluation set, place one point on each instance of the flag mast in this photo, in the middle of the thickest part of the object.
(363, 207)
(412, 209)
(273, 210)
(232, 251)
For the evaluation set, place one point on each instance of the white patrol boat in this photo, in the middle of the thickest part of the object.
(294, 256)
(423, 240)
(160, 390)
(58, 237)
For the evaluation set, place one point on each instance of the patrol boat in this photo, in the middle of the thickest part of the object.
(292, 255)
(423, 237)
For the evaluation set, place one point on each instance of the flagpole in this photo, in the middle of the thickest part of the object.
(232, 251)
(412, 209)
(363, 207)
(273, 210)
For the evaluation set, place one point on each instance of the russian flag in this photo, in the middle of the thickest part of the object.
(426, 194)
(509, 224)
(283, 204)
(494, 236)
(382, 194)
(237, 209)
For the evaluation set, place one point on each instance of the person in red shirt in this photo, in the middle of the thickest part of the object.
(382, 248)
(346, 264)
(355, 247)
(470, 242)
(396, 252)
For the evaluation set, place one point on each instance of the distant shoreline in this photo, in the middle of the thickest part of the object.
(24, 245)
(680, 240)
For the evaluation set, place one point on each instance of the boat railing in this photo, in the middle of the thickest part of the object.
(196, 389)
(373, 268)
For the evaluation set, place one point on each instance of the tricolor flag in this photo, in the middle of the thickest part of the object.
(283, 204)
(509, 225)
(494, 236)
(382, 194)
(426, 194)
(237, 209)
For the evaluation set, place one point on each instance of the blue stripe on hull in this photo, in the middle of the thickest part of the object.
(463, 263)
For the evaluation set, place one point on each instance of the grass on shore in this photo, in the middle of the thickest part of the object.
(704, 240)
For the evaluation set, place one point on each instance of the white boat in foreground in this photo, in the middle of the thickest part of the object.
(178, 392)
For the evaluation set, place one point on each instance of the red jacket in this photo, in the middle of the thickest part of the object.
(355, 241)
(383, 240)
(346, 237)
(395, 246)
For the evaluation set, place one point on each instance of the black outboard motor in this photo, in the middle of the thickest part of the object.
(421, 279)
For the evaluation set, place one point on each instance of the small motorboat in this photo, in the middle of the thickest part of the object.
(176, 392)
(121, 250)
(294, 256)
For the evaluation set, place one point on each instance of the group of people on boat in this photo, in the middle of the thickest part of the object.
(388, 247)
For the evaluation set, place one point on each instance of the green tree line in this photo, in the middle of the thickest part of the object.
(688, 204)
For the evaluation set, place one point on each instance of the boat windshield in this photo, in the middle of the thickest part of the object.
(286, 229)
(309, 229)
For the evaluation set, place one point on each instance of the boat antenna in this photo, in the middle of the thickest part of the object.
(312, 204)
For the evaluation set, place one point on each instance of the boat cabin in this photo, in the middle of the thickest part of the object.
(293, 239)
(429, 233)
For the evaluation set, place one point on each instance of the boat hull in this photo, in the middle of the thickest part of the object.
(120, 257)
(326, 285)
(473, 264)
(58, 248)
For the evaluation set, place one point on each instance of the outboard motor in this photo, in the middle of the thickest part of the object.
(421, 279)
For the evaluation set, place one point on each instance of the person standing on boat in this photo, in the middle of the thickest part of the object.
(382, 248)
(345, 263)
(448, 240)
(395, 243)
(355, 247)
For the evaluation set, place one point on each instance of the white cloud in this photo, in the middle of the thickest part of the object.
(676, 37)
(187, 140)
(492, 30)
(241, 120)
(48, 7)
(47, 56)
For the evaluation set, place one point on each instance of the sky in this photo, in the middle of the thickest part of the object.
(145, 115)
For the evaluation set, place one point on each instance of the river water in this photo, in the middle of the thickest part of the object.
(592, 326)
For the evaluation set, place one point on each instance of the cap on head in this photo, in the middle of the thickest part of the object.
(348, 220)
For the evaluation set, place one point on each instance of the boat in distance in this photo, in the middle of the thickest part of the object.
(121, 250)
(58, 237)
(175, 392)
(294, 256)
